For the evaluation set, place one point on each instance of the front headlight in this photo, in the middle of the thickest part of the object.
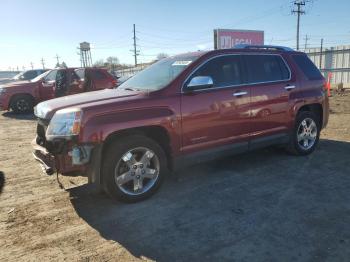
(64, 124)
(41, 110)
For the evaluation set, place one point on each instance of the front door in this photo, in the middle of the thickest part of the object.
(218, 115)
(47, 86)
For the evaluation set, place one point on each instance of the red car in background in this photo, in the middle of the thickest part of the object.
(22, 96)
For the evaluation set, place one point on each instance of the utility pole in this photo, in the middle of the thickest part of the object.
(31, 65)
(43, 62)
(57, 59)
(321, 53)
(135, 51)
(306, 39)
(299, 12)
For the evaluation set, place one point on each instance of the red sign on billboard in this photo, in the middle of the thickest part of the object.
(228, 38)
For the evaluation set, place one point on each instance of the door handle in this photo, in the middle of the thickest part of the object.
(289, 87)
(240, 93)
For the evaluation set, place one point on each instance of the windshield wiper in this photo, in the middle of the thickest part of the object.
(132, 89)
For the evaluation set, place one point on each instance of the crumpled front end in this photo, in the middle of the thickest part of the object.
(62, 156)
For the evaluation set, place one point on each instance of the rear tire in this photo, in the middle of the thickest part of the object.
(133, 168)
(22, 104)
(305, 135)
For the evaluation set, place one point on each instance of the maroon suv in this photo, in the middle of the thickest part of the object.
(181, 110)
(21, 96)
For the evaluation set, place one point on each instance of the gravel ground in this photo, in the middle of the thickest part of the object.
(260, 206)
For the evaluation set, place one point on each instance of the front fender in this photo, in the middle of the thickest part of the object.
(99, 127)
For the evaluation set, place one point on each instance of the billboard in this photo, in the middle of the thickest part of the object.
(228, 38)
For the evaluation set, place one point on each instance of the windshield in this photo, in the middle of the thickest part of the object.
(40, 76)
(159, 74)
(18, 76)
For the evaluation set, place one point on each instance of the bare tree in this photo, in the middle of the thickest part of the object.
(99, 63)
(162, 55)
(112, 62)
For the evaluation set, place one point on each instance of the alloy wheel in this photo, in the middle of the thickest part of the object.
(307, 134)
(22, 105)
(137, 171)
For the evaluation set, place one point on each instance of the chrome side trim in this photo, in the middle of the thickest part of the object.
(289, 87)
(242, 93)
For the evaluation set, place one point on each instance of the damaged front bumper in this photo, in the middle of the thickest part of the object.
(46, 160)
(83, 160)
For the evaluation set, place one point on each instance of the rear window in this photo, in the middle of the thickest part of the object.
(266, 68)
(308, 68)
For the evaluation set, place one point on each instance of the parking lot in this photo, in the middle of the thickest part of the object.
(261, 206)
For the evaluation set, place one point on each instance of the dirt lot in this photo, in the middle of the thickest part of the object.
(260, 206)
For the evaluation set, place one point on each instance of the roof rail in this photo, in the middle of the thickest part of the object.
(267, 47)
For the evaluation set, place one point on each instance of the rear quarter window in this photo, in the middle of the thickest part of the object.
(307, 67)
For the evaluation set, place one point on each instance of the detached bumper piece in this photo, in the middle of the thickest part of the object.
(46, 160)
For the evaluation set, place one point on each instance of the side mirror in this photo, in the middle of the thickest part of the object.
(199, 82)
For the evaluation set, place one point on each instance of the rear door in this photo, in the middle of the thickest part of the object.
(76, 84)
(218, 115)
(101, 79)
(271, 85)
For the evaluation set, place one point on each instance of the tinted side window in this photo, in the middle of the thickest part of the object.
(98, 75)
(29, 75)
(51, 76)
(308, 68)
(266, 68)
(80, 73)
(224, 71)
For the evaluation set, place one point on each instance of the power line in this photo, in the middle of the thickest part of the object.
(43, 62)
(299, 12)
(321, 53)
(306, 38)
(57, 59)
(136, 52)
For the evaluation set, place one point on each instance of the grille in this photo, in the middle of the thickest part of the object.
(40, 131)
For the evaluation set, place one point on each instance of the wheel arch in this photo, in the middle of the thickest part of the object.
(315, 108)
(157, 133)
(14, 96)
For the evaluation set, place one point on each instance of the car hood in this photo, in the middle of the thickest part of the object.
(18, 84)
(46, 110)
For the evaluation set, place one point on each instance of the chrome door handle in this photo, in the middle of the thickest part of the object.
(289, 87)
(240, 93)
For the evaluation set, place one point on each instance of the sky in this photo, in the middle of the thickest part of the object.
(32, 30)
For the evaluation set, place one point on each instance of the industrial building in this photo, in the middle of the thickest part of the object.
(335, 60)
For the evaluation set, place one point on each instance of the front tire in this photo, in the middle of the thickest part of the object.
(133, 168)
(306, 134)
(22, 104)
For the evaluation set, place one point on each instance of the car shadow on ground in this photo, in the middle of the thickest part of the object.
(11, 114)
(263, 205)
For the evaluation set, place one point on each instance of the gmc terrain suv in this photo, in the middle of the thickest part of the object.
(181, 110)
(21, 96)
